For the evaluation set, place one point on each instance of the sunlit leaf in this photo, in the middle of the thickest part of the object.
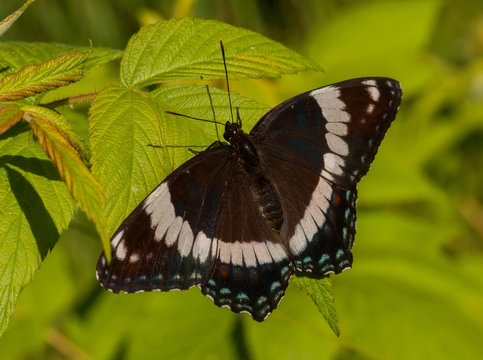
(18, 54)
(63, 127)
(34, 79)
(53, 291)
(123, 127)
(10, 114)
(320, 290)
(83, 186)
(35, 207)
(190, 48)
(203, 102)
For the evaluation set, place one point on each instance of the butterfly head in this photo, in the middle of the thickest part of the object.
(233, 131)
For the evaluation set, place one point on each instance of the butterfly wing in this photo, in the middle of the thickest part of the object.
(201, 226)
(315, 148)
(168, 242)
(252, 268)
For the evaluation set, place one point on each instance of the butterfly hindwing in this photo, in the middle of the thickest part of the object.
(252, 268)
(323, 237)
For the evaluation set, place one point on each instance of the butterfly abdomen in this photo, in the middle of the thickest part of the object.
(267, 199)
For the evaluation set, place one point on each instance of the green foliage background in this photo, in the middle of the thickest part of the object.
(416, 287)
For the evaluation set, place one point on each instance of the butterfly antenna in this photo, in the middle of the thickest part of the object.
(226, 76)
(192, 117)
(213, 110)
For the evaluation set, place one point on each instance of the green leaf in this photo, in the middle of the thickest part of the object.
(205, 103)
(52, 293)
(18, 54)
(10, 114)
(190, 48)
(56, 142)
(123, 126)
(320, 290)
(6, 23)
(62, 126)
(35, 207)
(49, 75)
(208, 103)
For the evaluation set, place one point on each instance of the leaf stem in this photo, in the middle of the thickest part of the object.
(64, 345)
(73, 100)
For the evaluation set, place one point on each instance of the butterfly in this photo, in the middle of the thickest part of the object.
(239, 219)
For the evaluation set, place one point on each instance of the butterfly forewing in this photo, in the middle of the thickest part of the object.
(345, 121)
(239, 231)
(168, 241)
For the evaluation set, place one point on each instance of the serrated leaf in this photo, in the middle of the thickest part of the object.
(34, 209)
(6, 23)
(190, 48)
(320, 290)
(49, 75)
(201, 101)
(16, 55)
(83, 186)
(63, 127)
(204, 103)
(10, 114)
(123, 126)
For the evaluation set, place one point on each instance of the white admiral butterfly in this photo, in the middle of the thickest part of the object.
(239, 219)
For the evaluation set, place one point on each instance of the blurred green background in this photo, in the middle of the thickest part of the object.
(416, 287)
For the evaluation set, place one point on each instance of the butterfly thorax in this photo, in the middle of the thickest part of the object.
(263, 190)
(242, 147)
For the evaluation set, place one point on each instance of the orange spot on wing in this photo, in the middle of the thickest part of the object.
(336, 199)
(224, 272)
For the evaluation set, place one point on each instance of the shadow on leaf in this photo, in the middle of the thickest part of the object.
(32, 165)
(40, 222)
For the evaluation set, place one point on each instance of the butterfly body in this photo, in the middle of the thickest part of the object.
(239, 219)
(245, 153)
